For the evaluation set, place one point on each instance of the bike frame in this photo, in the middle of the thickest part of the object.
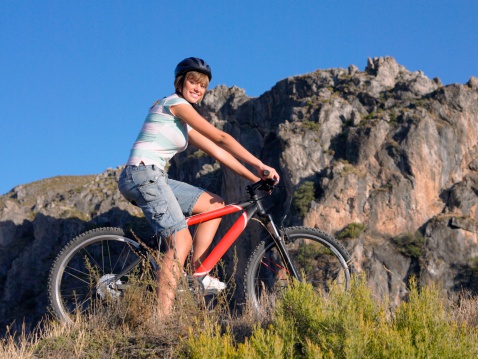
(248, 209)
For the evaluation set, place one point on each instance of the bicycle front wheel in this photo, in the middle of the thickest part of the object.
(318, 258)
(91, 269)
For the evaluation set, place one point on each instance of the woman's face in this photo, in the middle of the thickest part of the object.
(193, 91)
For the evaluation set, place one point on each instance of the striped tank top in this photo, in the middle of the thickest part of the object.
(162, 135)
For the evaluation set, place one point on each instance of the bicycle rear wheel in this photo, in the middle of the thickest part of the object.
(317, 257)
(92, 269)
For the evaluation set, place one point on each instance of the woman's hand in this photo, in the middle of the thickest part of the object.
(267, 172)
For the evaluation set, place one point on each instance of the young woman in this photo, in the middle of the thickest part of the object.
(171, 124)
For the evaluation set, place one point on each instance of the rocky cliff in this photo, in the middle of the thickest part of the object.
(385, 159)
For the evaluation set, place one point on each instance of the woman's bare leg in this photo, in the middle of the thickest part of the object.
(178, 248)
(171, 268)
(205, 231)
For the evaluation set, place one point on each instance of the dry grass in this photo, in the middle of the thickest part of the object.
(130, 328)
(465, 309)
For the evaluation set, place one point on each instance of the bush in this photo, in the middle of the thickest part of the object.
(303, 197)
(410, 244)
(355, 325)
(352, 230)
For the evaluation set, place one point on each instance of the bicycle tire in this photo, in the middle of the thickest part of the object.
(317, 257)
(83, 276)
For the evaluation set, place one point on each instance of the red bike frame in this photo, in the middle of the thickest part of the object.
(248, 210)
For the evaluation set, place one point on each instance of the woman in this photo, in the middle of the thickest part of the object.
(171, 124)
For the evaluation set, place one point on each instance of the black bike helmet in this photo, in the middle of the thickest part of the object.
(193, 64)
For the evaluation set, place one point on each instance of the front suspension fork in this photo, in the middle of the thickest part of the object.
(280, 244)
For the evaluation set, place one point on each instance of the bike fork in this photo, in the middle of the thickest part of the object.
(279, 241)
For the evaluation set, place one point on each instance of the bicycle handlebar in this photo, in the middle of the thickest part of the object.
(266, 185)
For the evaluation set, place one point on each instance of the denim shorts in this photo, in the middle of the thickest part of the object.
(164, 201)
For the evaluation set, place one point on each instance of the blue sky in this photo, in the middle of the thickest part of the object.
(77, 77)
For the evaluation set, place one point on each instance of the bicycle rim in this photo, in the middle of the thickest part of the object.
(85, 275)
(317, 257)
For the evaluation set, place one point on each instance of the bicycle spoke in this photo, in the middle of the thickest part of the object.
(77, 277)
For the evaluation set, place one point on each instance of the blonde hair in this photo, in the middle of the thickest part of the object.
(193, 75)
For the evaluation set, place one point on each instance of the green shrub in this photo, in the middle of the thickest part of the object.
(350, 324)
(410, 244)
(208, 341)
(303, 197)
(352, 230)
(265, 344)
(429, 330)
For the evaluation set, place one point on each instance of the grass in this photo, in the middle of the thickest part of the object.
(302, 324)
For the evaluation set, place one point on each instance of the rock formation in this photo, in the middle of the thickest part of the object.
(385, 159)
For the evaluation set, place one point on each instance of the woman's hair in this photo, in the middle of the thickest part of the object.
(193, 75)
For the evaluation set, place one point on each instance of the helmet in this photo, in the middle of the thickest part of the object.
(193, 64)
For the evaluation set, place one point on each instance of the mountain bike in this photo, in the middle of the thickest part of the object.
(100, 264)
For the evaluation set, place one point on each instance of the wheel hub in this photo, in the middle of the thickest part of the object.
(108, 286)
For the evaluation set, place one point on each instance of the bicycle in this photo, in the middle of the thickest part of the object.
(114, 256)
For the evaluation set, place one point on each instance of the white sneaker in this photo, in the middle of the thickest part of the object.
(212, 285)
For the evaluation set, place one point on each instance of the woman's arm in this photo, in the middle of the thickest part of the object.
(216, 152)
(220, 139)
